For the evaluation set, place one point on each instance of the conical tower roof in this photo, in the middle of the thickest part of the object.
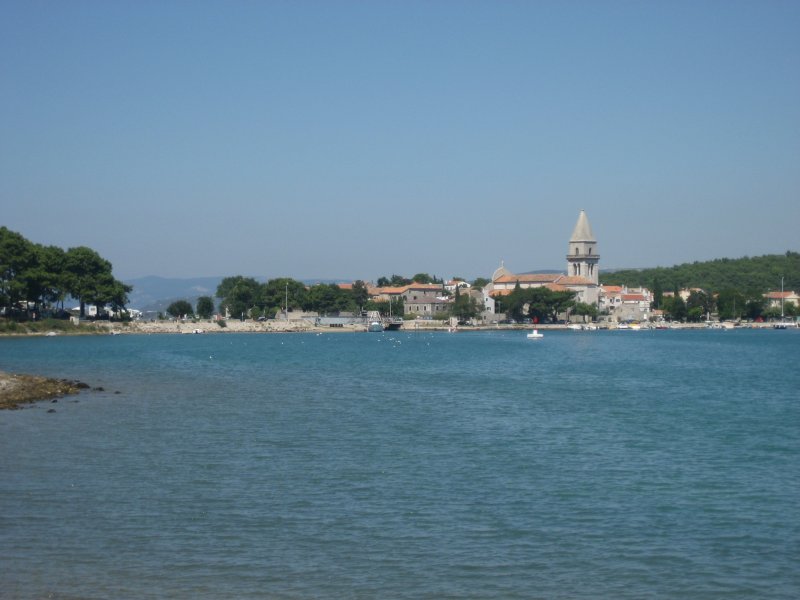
(582, 231)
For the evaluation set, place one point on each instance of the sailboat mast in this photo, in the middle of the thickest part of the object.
(781, 298)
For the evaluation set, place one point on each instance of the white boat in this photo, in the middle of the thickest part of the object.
(375, 326)
(535, 335)
(582, 327)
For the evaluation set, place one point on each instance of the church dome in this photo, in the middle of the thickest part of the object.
(500, 271)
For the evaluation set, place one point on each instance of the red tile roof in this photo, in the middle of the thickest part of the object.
(555, 287)
(387, 290)
(574, 280)
(529, 278)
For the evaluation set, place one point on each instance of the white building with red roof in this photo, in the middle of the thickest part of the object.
(778, 299)
(625, 304)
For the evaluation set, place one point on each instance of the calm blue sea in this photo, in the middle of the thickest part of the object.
(662, 464)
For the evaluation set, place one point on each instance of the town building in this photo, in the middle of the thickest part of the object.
(421, 299)
(778, 299)
(621, 303)
(582, 276)
(582, 256)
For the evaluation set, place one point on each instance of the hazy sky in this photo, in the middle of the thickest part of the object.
(358, 139)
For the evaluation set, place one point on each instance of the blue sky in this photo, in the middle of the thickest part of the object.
(359, 139)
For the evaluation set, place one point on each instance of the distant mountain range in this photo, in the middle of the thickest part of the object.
(153, 293)
(156, 293)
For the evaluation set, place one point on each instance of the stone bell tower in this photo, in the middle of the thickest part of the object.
(582, 256)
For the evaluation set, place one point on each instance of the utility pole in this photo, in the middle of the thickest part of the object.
(287, 301)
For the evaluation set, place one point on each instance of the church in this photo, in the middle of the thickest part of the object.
(582, 274)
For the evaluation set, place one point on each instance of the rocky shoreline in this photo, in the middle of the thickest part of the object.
(293, 326)
(17, 390)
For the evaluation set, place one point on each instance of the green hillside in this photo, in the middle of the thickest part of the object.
(758, 274)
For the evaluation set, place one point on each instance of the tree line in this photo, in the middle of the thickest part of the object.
(728, 304)
(748, 275)
(245, 298)
(35, 279)
(730, 288)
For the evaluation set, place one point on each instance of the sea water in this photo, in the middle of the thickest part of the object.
(626, 464)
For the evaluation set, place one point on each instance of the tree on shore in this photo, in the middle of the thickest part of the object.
(464, 306)
(699, 305)
(180, 308)
(17, 259)
(277, 293)
(329, 298)
(658, 294)
(539, 303)
(88, 278)
(360, 294)
(238, 294)
(43, 276)
(582, 309)
(205, 307)
(674, 307)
